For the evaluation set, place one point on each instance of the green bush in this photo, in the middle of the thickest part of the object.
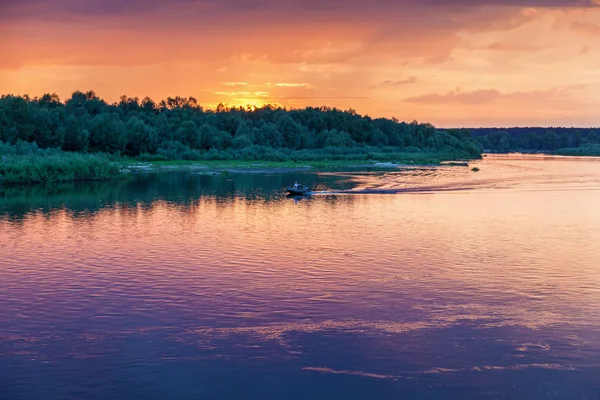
(26, 163)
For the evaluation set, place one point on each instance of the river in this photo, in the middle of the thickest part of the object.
(478, 285)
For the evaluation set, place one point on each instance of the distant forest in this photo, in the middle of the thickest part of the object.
(546, 140)
(179, 128)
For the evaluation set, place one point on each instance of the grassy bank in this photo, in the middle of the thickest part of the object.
(380, 158)
(25, 163)
(314, 157)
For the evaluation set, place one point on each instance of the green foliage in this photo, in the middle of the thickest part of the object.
(174, 150)
(26, 163)
(241, 142)
(76, 138)
(356, 155)
(542, 140)
(178, 128)
(141, 138)
(584, 151)
(188, 134)
(334, 138)
(107, 134)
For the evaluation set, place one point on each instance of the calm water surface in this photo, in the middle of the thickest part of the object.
(179, 286)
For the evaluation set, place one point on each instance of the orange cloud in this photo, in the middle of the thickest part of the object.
(588, 28)
(484, 96)
(366, 55)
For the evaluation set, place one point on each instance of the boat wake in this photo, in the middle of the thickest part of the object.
(428, 189)
(519, 173)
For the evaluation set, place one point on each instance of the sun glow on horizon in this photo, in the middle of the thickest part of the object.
(468, 66)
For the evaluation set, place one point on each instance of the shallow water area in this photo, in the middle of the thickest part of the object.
(448, 283)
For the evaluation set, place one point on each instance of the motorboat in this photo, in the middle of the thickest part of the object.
(298, 190)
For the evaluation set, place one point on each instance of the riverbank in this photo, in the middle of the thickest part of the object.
(25, 163)
(47, 166)
(256, 166)
(67, 167)
(71, 167)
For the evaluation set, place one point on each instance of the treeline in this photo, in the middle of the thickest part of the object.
(179, 128)
(547, 140)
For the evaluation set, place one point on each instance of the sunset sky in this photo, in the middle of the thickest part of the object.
(448, 62)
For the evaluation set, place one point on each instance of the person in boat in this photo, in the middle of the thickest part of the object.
(296, 185)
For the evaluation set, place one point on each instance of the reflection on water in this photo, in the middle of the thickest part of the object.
(195, 286)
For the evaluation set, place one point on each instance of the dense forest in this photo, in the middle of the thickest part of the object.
(179, 128)
(544, 140)
(44, 139)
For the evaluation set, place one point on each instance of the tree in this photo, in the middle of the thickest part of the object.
(335, 138)
(241, 141)
(207, 137)
(76, 139)
(148, 105)
(129, 104)
(379, 139)
(47, 131)
(244, 128)
(290, 131)
(21, 125)
(107, 134)
(222, 140)
(4, 125)
(50, 101)
(141, 138)
(188, 134)
(268, 135)
(77, 100)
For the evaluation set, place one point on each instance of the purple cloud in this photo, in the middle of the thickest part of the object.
(24, 8)
(489, 95)
(400, 82)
